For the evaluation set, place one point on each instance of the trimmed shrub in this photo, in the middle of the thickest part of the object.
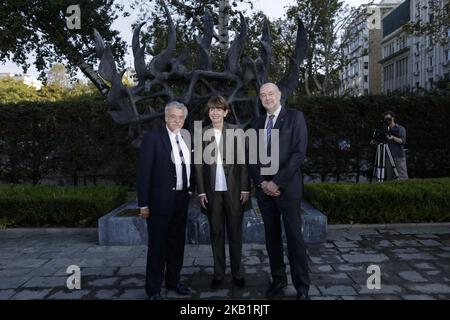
(340, 130)
(48, 206)
(71, 138)
(408, 201)
(79, 139)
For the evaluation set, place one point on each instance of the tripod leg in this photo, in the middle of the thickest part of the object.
(380, 164)
(377, 166)
(383, 167)
(392, 162)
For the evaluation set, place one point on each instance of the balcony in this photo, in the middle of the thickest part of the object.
(430, 69)
(416, 73)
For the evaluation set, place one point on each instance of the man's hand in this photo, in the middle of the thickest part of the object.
(244, 197)
(395, 139)
(144, 213)
(270, 188)
(203, 200)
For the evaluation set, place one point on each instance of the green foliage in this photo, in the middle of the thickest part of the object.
(39, 27)
(353, 119)
(12, 91)
(325, 21)
(47, 206)
(77, 138)
(74, 138)
(58, 75)
(408, 201)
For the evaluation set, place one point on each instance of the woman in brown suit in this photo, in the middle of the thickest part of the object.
(223, 187)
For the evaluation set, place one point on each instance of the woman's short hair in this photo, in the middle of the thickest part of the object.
(217, 102)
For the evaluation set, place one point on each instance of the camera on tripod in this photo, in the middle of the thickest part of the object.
(383, 154)
(381, 132)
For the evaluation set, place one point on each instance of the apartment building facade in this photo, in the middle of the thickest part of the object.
(362, 73)
(412, 63)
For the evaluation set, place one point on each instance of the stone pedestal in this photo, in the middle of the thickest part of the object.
(119, 229)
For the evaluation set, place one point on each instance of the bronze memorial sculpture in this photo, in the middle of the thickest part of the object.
(167, 77)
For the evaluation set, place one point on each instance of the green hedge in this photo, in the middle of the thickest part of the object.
(409, 201)
(74, 139)
(79, 139)
(330, 120)
(48, 206)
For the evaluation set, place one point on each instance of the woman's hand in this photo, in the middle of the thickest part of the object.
(203, 200)
(244, 197)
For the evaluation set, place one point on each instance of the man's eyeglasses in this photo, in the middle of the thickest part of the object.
(388, 119)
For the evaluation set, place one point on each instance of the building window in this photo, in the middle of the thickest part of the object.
(366, 78)
(366, 65)
(431, 61)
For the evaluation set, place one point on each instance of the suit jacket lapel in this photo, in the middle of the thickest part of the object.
(166, 140)
(223, 143)
(281, 117)
(261, 122)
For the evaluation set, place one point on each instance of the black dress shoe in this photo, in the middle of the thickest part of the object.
(239, 282)
(155, 296)
(181, 289)
(275, 288)
(302, 296)
(216, 283)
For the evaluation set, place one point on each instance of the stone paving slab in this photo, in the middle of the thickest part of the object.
(414, 261)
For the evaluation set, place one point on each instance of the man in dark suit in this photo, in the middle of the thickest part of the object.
(279, 195)
(164, 183)
(223, 188)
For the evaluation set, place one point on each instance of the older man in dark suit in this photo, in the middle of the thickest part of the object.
(279, 195)
(164, 183)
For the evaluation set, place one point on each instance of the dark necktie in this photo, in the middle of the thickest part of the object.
(183, 164)
(269, 128)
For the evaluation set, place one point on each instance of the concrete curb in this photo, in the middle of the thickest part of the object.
(389, 226)
(330, 227)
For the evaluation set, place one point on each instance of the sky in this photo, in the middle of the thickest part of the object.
(272, 8)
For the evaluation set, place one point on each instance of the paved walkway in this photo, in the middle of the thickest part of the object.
(414, 262)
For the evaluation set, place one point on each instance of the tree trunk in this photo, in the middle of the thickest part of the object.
(307, 90)
(224, 17)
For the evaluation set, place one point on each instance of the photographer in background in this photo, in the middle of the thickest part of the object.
(396, 139)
